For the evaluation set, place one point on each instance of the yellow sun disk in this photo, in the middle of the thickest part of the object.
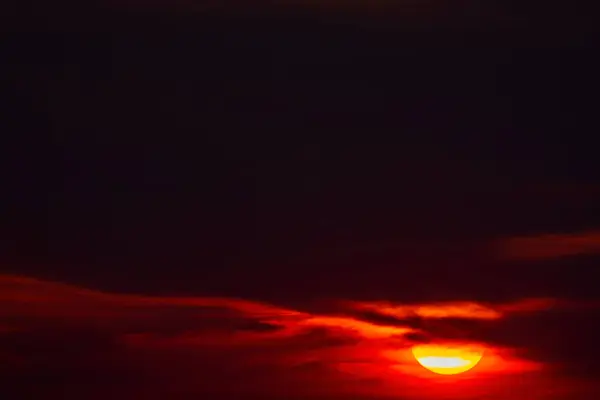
(446, 360)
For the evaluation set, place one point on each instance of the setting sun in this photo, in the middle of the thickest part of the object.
(447, 360)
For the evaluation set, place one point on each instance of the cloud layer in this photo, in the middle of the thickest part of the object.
(74, 342)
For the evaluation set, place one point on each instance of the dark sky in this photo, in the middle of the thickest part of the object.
(296, 156)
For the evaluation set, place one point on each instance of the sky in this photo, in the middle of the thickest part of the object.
(266, 203)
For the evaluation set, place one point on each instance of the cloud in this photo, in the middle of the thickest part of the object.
(438, 310)
(548, 246)
(190, 347)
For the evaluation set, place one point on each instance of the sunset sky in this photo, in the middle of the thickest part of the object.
(265, 203)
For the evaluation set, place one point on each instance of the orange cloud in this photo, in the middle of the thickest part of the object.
(468, 310)
(455, 309)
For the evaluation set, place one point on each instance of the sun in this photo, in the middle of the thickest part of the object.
(447, 359)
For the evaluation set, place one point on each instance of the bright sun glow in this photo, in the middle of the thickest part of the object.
(447, 360)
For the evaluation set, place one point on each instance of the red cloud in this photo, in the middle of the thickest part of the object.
(236, 347)
(550, 246)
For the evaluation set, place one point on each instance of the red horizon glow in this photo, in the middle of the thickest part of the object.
(311, 352)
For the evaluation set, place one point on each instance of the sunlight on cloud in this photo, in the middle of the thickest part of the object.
(467, 310)
(251, 341)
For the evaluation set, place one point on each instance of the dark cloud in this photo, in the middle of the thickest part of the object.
(382, 319)
(565, 339)
(256, 326)
(63, 362)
